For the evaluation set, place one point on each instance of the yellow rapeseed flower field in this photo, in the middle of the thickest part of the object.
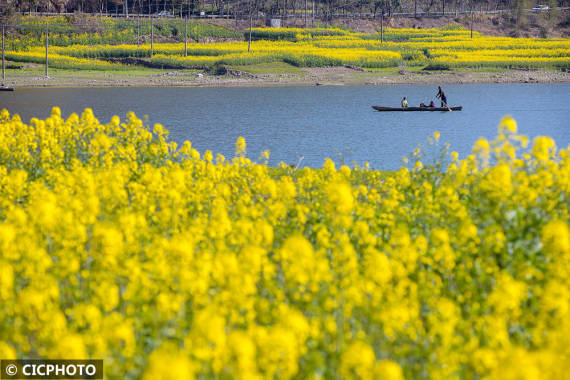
(452, 48)
(115, 243)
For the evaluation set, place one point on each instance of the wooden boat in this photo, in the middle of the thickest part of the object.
(407, 109)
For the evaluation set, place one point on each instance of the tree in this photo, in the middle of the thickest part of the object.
(553, 13)
(521, 18)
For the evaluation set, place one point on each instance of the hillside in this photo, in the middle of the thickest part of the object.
(535, 25)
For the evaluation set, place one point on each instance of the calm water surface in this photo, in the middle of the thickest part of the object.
(317, 122)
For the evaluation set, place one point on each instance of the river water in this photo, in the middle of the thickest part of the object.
(308, 124)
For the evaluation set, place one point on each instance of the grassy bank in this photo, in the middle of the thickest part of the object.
(267, 74)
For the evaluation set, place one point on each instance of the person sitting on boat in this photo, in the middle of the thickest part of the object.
(423, 105)
(441, 95)
(404, 103)
(432, 104)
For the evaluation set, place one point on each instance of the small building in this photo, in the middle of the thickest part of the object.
(273, 22)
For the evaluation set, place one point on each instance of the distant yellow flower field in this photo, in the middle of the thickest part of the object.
(117, 244)
(444, 47)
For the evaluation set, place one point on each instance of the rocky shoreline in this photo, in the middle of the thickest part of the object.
(307, 77)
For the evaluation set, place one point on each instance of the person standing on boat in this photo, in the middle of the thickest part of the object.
(404, 103)
(441, 95)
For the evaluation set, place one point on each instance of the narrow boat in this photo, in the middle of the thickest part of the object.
(384, 109)
(6, 89)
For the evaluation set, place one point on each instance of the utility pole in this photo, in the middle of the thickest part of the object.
(250, 26)
(471, 19)
(305, 13)
(151, 36)
(186, 37)
(382, 27)
(3, 66)
(47, 44)
(313, 15)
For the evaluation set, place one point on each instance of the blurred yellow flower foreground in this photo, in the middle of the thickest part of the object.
(117, 244)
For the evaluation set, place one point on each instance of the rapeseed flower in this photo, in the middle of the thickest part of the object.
(117, 244)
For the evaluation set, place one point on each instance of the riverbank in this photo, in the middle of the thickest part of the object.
(272, 75)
